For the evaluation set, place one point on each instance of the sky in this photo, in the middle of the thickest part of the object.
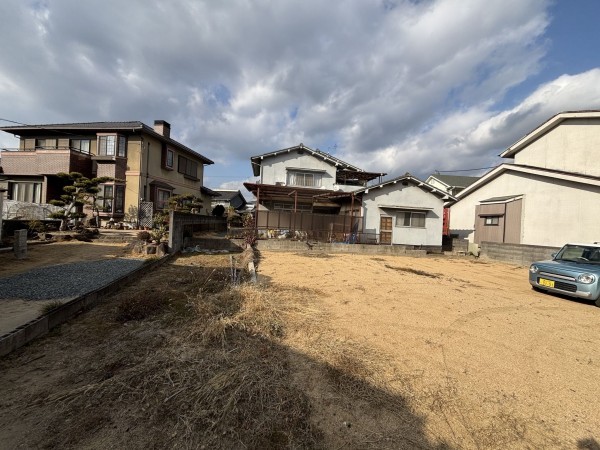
(389, 86)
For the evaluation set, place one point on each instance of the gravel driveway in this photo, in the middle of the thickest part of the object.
(65, 281)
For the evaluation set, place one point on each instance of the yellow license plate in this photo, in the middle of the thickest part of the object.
(547, 283)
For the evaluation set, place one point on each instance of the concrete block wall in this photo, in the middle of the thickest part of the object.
(289, 245)
(519, 254)
(178, 221)
(42, 325)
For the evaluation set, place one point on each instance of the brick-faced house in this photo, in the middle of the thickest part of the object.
(147, 165)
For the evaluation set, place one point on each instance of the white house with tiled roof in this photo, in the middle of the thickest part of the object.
(405, 211)
(547, 196)
(293, 178)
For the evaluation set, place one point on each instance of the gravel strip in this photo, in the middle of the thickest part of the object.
(65, 280)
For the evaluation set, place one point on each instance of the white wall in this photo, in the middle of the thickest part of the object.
(572, 146)
(436, 183)
(399, 195)
(274, 167)
(554, 211)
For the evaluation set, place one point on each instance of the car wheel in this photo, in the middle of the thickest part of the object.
(598, 302)
(537, 289)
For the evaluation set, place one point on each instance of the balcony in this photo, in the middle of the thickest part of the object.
(45, 161)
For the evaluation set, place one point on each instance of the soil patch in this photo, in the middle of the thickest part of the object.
(337, 352)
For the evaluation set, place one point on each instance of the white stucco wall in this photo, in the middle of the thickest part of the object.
(435, 183)
(274, 168)
(399, 195)
(554, 211)
(572, 146)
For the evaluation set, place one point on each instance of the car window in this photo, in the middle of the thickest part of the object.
(579, 254)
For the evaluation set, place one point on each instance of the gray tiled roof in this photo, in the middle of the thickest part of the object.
(132, 125)
(455, 180)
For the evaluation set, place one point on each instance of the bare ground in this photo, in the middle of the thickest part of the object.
(332, 351)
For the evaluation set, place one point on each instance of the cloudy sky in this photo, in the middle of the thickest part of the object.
(388, 85)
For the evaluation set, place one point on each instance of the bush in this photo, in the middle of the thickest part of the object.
(144, 236)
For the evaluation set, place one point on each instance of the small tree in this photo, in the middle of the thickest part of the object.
(218, 211)
(80, 191)
(184, 203)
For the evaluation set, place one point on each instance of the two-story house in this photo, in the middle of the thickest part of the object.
(547, 196)
(302, 179)
(147, 166)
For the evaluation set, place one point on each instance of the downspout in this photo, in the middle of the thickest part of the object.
(257, 210)
(141, 185)
(351, 212)
(2, 191)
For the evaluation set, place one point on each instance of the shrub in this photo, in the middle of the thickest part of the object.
(144, 236)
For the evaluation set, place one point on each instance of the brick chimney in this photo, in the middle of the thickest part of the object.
(163, 127)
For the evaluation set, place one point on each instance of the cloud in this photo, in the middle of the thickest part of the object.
(393, 86)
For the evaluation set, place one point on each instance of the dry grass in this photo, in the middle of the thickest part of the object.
(220, 379)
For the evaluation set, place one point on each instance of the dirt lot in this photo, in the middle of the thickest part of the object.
(331, 351)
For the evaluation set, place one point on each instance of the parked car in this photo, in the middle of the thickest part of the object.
(573, 271)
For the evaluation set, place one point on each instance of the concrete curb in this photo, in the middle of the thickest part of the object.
(43, 324)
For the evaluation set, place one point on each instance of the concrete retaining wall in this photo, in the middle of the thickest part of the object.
(42, 325)
(520, 254)
(288, 245)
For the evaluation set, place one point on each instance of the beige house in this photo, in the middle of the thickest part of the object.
(548, 196)
(147, 165)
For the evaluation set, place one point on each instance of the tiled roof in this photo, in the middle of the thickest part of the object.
(326, 156)
(133, 126)
(455, 180)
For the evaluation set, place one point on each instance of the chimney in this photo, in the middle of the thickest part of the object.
(163, 127)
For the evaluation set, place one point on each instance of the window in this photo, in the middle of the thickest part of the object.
(25, 192)
(410, 219)
(187, 167)
(82, 145)
(306, 179)
(119, 199)
(491, 220)
(162, 198)
(43, 144)
(112, 145)
(106, 201)
(169, 158)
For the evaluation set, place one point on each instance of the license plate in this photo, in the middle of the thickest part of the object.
(547, 283)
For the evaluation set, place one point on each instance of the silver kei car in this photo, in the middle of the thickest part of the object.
(573, 271)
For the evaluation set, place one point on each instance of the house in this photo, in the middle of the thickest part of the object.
(404, 210)
(299, 179)
(229, 197)
(547, 196)
(147, 165)
(452, 184)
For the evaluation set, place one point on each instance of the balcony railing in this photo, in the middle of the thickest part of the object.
(54, 147)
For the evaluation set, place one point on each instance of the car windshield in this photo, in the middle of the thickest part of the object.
(579, 253)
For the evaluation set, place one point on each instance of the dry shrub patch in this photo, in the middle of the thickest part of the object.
(198, 367)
